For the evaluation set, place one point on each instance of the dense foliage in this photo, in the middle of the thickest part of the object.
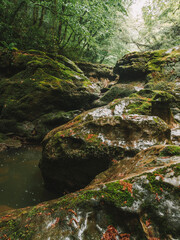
(94, 30)
(72, 27)
(161, 25)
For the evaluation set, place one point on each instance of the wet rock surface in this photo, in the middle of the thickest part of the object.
(77, 151)
(125, 153)
(142, 206)
(145, 161)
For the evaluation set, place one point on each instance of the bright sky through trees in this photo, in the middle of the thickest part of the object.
(136, 8)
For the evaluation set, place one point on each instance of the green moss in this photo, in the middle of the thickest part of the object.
(41, 83)
(157, 120)
(114, 103)
(146, 93)
(87, 83)
(17, 231)
(21, 59)
(154, 65)
(36, 52)
(115, 194)
(156, 61)
(54, 68)
(177, 170)
(68, 63)
(163, 96)
(159, 53)
(164, 86)
(134, 95)
(170, 151)
(159, 186)
(139, 107)
(112, 193)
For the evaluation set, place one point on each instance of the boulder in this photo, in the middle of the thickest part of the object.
(97, 71)
(145, 161)
(156, 103)
(160, 68)
(34, 84)
(116, 91)
(77, 151)
(142, 205)
(161, 106)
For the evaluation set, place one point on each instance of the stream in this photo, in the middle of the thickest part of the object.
(21, 183)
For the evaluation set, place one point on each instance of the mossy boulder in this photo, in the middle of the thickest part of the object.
(153, 157)
(77, 151)
(116, 91)
(139, 207)
(38, 84)
(155, 67)
(97, 71)
(161, 106)
(156, 103)
(37, 129)
(47, 122)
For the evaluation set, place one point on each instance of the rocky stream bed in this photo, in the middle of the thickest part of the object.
(110, 139)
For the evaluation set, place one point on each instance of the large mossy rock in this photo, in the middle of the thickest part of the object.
(116, 91)
(77, 151)
(144, 205)
(33, 84)
(146, 160)
(155, 70)
(98, 71)
(160, 66)
(155, 103)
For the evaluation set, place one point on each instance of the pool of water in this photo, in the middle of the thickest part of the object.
(21, 183)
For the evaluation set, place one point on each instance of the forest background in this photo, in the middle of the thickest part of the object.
(90, 30)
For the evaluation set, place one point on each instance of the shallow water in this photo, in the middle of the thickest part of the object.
(21, 183)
